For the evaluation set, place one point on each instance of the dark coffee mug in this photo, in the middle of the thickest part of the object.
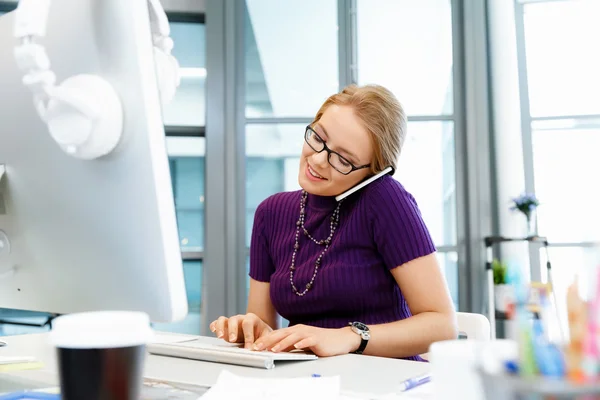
(101, 354)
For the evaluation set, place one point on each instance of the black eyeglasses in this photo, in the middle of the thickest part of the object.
(337, 161)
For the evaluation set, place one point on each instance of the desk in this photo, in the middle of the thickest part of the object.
(358, 373)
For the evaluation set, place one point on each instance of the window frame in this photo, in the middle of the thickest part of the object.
(467, 206)
(527, 122)
(187, 131)
(191, 131)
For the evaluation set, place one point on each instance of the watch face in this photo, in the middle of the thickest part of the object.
(360, 326)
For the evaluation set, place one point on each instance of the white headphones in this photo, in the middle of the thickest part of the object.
(84, 113)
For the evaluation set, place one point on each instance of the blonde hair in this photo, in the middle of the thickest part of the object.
(382, 116)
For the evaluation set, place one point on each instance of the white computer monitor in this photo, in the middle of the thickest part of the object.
(80, 235)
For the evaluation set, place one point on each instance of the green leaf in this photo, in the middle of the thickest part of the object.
(500, 270)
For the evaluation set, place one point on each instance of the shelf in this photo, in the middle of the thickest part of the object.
(491, 240)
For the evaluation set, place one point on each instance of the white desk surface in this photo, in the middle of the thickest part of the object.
(358, 373)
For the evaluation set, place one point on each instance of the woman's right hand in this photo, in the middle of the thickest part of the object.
(240, 329)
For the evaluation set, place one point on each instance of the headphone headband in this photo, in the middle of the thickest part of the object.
(84, 114)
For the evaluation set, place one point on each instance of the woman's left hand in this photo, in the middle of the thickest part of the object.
(323, 342)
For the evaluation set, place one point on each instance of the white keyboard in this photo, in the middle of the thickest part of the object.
(238, 349)
(211, 349)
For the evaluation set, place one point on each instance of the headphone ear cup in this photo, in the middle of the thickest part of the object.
(85, 116)
(167, 71)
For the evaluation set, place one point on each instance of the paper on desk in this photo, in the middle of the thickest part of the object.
(10, 364)
(424, 392)
(230, 386)
(14, 360)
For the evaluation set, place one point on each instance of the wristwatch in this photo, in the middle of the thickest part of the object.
(363, 331)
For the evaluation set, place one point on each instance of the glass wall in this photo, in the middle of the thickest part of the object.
(406, 45)
(569, 84)
(292, 66)
(187, 162)
(188, 107)
(291, 57)
(185, 120)
(284, 92)
(562, 130)
(420, 73)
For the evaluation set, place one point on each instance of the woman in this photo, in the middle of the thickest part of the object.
(358, 275)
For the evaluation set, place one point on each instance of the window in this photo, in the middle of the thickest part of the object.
(562, 129)
(420, 74)
(565, 162)
(418, 71)
(272, 163)
(188, 106)
(425, 169)
(184, 120)
(283, 93)
(192, 271)
(562, 66)
(291, 56)
(564, 115)
(448, 264)
(186, 159)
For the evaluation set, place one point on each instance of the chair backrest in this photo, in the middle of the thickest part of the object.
(470, 326)
(473, 326)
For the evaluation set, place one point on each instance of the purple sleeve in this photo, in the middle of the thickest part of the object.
(399, 231)
(261, 265)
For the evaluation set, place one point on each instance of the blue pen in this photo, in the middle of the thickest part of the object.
(26, 395)
(414, 382)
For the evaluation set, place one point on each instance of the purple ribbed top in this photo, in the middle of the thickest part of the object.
(380, 228)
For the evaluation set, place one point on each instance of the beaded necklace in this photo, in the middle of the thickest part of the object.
(333, 224)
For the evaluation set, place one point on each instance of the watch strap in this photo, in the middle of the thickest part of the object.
(363, 331)
(363, 345)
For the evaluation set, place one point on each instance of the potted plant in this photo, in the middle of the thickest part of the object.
(527, 204)
(502, 289)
